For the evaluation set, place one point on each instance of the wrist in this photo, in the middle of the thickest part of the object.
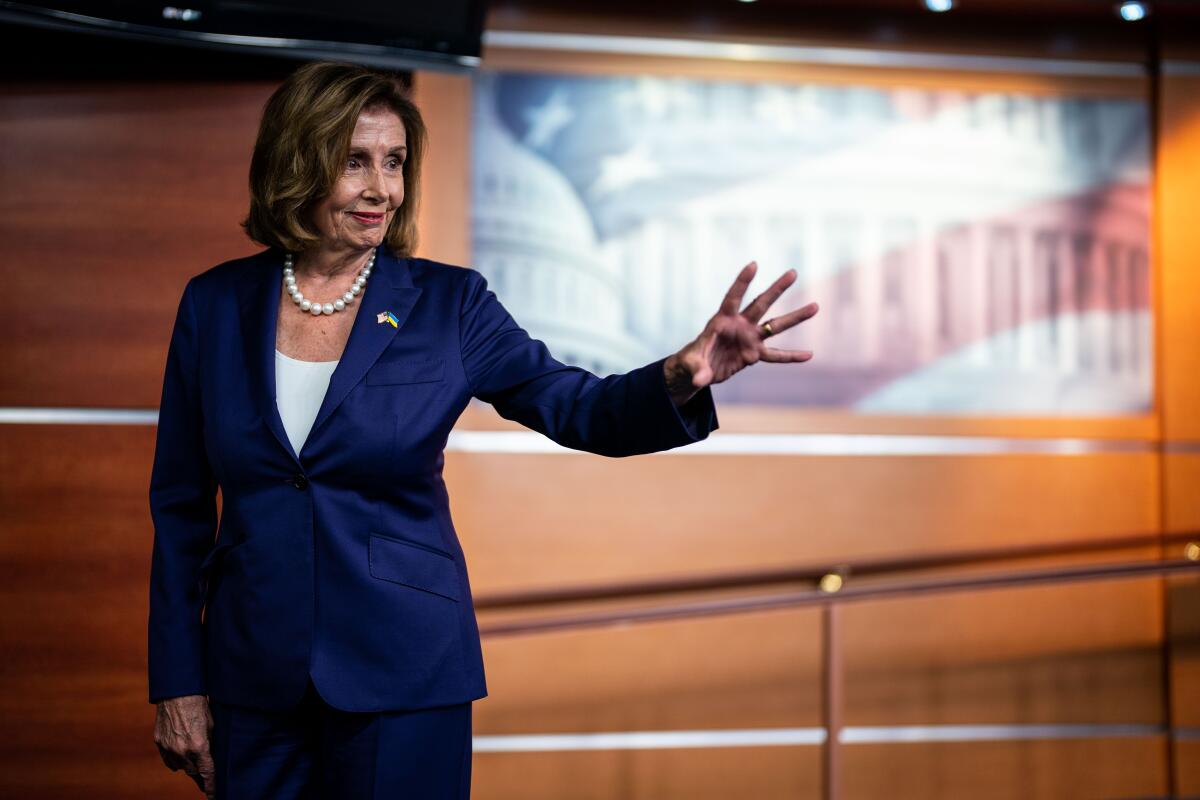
(678, 379)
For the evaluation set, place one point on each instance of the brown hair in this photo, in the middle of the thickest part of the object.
(303, 141)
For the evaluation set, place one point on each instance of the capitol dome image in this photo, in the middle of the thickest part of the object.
(535, 242)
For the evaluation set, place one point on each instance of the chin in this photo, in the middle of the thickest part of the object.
(365, 243)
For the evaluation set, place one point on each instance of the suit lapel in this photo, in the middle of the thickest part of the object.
(390, 288)
(259, 306)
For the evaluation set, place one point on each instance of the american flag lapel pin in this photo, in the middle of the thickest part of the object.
(389, 318)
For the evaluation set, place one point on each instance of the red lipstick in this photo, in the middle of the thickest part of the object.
(367, 218)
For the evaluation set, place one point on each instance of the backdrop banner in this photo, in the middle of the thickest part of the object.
(972, 252)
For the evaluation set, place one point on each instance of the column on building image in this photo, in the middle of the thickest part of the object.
(899, 289)
(841, 248)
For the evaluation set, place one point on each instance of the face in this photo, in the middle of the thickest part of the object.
(356, 213)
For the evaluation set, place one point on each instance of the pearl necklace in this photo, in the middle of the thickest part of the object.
(317, 309)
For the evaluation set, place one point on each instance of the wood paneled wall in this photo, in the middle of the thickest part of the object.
(1178, 185)
(116, 191)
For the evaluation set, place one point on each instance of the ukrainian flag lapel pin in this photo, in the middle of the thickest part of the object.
(389, 318)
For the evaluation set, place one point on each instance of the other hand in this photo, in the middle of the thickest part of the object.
(733, 340)
(182, 731)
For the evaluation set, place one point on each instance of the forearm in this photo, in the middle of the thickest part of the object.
(619, 415)
(183, 510)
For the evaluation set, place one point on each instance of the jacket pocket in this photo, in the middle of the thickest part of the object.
(406, 372)
(413, 565)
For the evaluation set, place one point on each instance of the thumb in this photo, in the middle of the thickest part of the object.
(702, 375)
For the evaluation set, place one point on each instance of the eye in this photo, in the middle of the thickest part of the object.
(351, 163)
(395, 163)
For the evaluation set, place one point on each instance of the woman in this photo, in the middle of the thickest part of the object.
(316, 383)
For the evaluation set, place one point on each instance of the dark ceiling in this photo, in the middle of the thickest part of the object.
(1058, 28)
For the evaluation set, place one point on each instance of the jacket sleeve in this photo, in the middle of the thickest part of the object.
(184, 512)
(620, 415)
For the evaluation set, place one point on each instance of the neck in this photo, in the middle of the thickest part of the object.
(328, 264)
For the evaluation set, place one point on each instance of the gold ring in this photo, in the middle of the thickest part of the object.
(766, 329)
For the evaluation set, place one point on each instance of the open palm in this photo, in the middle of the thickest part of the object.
(733, 340)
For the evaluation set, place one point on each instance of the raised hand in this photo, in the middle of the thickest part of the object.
(733, 340)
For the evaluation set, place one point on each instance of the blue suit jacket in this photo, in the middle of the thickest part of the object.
(341, 561)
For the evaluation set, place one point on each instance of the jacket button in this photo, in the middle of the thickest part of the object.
(300, 482)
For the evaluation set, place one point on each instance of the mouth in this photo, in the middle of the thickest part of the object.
(369, 218)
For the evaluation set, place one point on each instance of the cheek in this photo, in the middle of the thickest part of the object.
(319, 217)
(342, 197)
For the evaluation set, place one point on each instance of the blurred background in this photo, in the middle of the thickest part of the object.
(954, 555)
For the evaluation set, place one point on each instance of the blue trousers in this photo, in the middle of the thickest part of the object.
(317, 752)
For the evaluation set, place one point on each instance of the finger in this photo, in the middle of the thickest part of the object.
(755, 310)
(774, 355)
(790, 319)
(173, 760)
(733, 298)
(207, 774)
(200, 769)
(198, 755)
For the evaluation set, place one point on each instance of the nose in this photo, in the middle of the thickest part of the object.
(373, 187)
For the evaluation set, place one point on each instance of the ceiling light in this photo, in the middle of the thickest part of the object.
(1132, 11)
(939, 5)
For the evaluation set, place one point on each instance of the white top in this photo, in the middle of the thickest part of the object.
(300, 388)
